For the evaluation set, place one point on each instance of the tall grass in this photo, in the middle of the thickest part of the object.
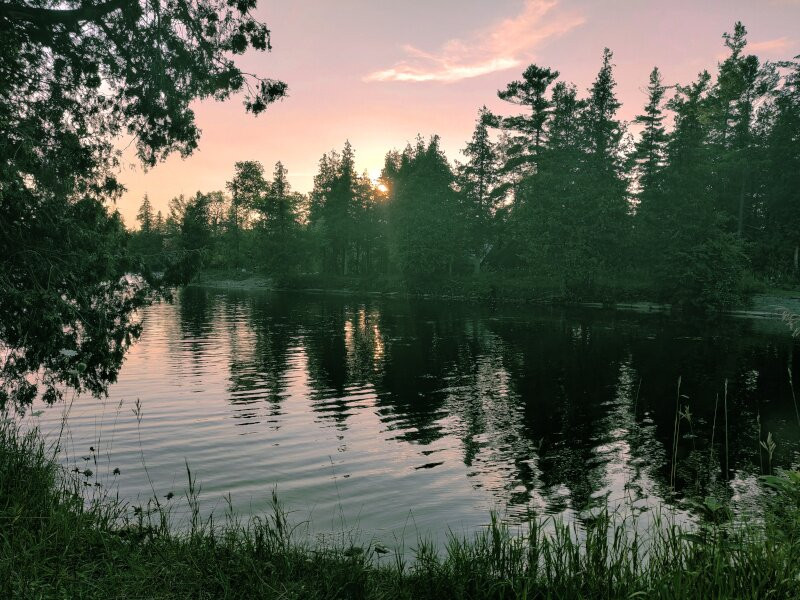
(56, 543)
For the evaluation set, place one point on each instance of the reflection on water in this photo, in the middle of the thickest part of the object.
(401, 417)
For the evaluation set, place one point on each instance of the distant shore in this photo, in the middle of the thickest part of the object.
(771, 303)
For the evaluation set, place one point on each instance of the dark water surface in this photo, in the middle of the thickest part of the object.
(401, 417)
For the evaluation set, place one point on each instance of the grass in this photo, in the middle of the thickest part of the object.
(60, 538)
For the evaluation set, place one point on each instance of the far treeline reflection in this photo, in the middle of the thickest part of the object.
(559, 387)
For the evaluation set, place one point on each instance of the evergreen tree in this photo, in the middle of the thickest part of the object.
(339, 210)
(427, 239)
(478, 179)
(277, 226)
(607, 207)
(317, 224)
(779, 247)
(572, 213)
(145, 215)
(335, 209)
(650, 150)
(280, 199)
(695, 261)
(530, 129)
(194, 241)
(147, 243)
(741, 83)
(602, 129)
(158, 223)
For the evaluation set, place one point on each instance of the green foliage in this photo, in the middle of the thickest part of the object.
(649, 155)
(66, 307)
(530, 129)
(560, 199)
(247, 188)
(426, 237)
(194, 241)
(75, 76)
(705, 275)
(480, 191)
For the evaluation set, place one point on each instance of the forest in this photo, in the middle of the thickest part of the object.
(694, 203)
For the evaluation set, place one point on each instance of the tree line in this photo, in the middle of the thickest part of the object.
(556, 195)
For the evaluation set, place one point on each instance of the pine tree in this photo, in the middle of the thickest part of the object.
(531, 128)
(650, 150)
(277, 209)
(158, 224)
(602, 129)
(604, 187)
(275, 205)
(340, 211)
(336, 206)
(145, 215)
(194, 241)
(478, 179)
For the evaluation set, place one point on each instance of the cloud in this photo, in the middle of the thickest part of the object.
(779, 45)
(502, 46)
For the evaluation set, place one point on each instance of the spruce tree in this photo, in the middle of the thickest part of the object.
(650, 150)
(145, 215)
(478, 179)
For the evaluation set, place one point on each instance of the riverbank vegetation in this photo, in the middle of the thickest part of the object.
(62, 536)
(555, 199)
(75, 78)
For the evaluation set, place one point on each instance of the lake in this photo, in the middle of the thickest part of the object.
(407, 417)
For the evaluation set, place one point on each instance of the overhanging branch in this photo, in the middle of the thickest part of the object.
(54, 16)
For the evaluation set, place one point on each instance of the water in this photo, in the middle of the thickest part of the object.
(402, 418)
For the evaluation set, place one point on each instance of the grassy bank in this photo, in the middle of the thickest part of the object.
(53, 544)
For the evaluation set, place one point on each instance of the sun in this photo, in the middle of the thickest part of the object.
(382, 188)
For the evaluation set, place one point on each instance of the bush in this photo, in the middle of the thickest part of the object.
(708, 275)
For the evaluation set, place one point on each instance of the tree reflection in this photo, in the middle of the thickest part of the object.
(548, 410)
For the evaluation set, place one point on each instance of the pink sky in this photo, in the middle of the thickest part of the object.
(378, 72)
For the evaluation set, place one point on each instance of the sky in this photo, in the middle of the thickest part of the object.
(380, 72)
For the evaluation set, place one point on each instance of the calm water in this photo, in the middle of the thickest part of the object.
(400, 417)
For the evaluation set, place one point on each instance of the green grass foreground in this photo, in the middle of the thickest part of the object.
(54, 545)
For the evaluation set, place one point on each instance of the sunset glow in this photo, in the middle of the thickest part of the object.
(377, 74)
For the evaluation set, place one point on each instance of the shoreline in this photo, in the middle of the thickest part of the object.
(771, 304)
(114, 550)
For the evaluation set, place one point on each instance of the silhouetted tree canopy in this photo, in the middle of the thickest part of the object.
(74, 77)
(558, 200)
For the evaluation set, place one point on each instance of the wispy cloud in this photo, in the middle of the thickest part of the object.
(504, 45)
(779, 45)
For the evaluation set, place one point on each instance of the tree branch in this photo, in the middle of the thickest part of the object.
(53, 16)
